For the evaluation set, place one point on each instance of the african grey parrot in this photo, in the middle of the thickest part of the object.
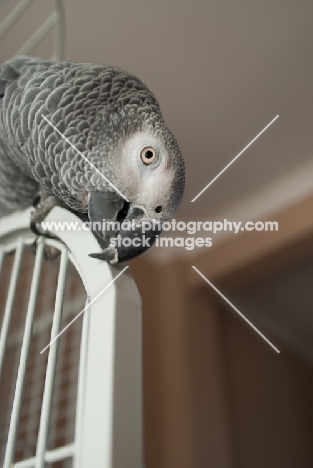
(113, 120)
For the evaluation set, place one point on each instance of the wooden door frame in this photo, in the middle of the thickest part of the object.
(249, 256)
(176, 298)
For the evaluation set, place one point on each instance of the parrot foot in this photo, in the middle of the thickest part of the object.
(43, 204)
(109, 254)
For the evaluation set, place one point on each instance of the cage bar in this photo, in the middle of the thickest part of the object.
(108, 420)
(15, 415)
(15, 14)
(51, 365)
(10, 300)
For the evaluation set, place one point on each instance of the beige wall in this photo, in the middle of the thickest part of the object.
(216, 395)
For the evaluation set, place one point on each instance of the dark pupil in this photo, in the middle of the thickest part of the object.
(158, 209)
(149, 154)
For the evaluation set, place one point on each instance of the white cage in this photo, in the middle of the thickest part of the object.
(108, 417)
(104, 397)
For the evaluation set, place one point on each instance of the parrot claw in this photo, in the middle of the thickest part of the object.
(43, 204)
(36, 200)
(50, 253)
(39, 232)
(109, 254)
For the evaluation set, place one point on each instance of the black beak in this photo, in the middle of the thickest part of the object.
(136, 235)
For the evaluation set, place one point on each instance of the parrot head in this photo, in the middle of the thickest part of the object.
(149, 177)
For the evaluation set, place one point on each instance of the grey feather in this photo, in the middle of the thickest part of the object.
(97, 108)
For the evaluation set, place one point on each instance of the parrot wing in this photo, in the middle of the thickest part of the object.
(17, 190)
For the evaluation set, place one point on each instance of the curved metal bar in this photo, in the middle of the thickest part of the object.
(57, 19)
(38, 35)
(59, 49)
(14, 16)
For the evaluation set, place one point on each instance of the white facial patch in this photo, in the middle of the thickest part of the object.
(147, 185)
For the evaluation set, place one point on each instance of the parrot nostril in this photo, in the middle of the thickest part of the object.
(158, 209)
(121, 215)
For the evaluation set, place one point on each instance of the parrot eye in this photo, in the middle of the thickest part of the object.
(148, 155)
